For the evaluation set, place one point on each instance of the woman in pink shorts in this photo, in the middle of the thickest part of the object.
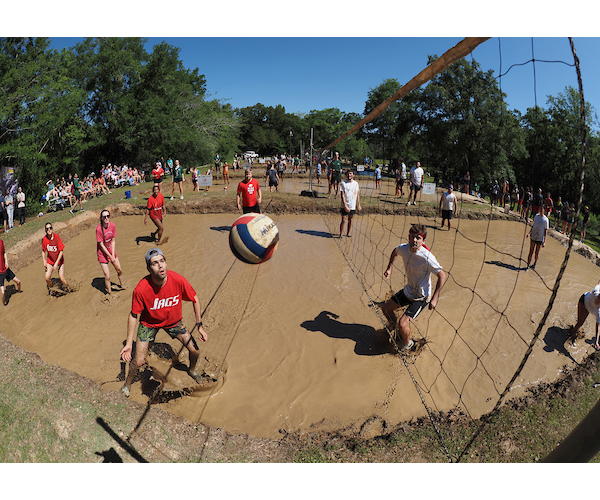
(106, 234)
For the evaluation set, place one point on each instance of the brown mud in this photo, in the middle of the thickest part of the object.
(281, 449)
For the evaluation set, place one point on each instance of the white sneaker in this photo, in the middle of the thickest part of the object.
(125, 390)
(171, 197)
(407, 347)
(181, 197)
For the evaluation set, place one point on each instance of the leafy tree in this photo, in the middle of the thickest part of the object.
(381, 131)
(265, 129)
(467, 126)
(41, 132)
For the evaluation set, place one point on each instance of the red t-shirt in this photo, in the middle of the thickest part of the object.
(53, 246)
(107, 236)
(3, 267)
(157, 173)
(249, 192)
(161, 307)
(155, 206)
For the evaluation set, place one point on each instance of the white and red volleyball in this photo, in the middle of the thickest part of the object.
(253, 238)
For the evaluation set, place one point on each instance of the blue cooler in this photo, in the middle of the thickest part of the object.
(127, 194)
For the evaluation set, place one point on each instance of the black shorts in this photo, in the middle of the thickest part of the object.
(415, 187)
(414, 306)
(248, 210)
(7, 276)
(446, 214)
(273, 183)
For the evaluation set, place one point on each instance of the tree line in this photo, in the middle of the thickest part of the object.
(110, 100)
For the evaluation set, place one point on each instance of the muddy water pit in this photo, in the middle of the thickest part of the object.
(303, 346)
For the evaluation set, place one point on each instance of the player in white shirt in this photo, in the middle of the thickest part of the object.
(537, 235)
(349, 192)
(419, 264)
(589, 303)
(447, 202)
(416, 182)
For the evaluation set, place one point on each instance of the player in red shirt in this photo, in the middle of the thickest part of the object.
(156, 209)
(5, 273)
(158, 298)
(157, 174)
(249, 189)
(52, 255)
(106, 249)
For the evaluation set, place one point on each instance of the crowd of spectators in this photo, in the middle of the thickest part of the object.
(61, 192)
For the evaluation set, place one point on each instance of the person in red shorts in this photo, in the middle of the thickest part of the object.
(157, 299)
(156, 210)
(52, 255)
(249, 191)
(157, 174)
(106, 249)
(5, 273)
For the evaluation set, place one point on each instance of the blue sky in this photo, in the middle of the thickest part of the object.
(306, 73)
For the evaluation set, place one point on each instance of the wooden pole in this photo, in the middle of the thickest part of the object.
(460, 50)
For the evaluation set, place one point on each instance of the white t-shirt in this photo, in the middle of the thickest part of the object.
(540, 226)
(350, 189)
(588, 302)
(403, 170)
(419, 266)
(416, 175)
(448, 200)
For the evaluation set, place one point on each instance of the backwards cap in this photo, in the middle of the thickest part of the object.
(152, 253)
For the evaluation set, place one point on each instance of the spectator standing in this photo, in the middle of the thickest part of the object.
(548, 205)
(2, 211)
(21, 206)
(10, 209)
(336, 172)
(558, 213)
(77, 194)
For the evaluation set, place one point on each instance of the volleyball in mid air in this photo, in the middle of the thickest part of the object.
(253, 238)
